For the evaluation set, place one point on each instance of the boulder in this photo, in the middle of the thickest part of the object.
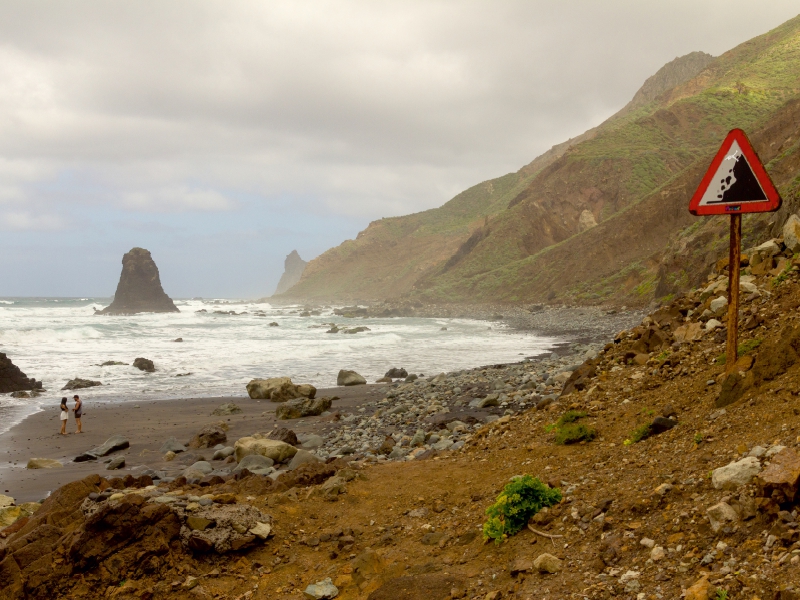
(791, 233)
(116, 463)
(735, 474)
(349, 378)
(6, 501)
(43, 463)
(12, 379)
(547, 563)
(395, 373)
(256, 464)
(688, 332)
(284, 435)
(302, 457)
(310, 441)
(295, 409)
(720, 514)
(781, 479)
(139, 288)
(719, 305)
(661, 424)
(79, 384)
(198, 470)
(208, 437)
(172, 445)
(322, 590)
(144, 364)
(229, 408)
(235, 527)
(112, 444)
(278, 389)
(274, 449)
(11, 514)
(223, 453)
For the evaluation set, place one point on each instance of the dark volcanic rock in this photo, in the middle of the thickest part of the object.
(293, 269)
(14, 380)
(80, 384)
(144, 364)
(139, 288)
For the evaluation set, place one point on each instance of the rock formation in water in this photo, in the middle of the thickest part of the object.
(139, 289)
(12, 379)
(293, 269)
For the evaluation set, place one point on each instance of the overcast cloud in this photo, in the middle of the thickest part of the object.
(222, 135)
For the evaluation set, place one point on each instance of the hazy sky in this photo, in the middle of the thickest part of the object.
(222, 135)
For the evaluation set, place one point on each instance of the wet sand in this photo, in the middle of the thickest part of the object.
(146, 425)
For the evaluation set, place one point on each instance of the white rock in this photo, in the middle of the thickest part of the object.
(657, 553)
(322, 590)
(749, 288)
(791, 233)
(712, 324)
(628, 575)
(735, 474)
(718, 304)
(261, 530)
(647, 542)
(721, 513)
(774, 450)
(757, 451)
(6, 501)
(43, 463)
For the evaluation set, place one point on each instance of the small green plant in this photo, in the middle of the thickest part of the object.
(663, 356)
(637, 435)
(520, 499)
(568, 431)
(721, 594)
(744, 348)
(698, 437)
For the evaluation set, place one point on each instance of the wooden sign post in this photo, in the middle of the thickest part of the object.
(735, 183)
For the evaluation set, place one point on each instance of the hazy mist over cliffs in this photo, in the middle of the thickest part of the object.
(221, 137)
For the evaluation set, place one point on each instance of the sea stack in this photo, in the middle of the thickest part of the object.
(139, 289)
(293, 268)
(12, 379)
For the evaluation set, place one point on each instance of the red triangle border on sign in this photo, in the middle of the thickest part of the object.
(773, 201)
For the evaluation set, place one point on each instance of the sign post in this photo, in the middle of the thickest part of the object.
(735, 183)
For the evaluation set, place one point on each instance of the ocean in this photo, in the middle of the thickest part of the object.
(58, 339)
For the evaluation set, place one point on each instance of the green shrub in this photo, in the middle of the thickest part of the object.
(520, 499)
(570, 417)
(744, 348)
(640, 433)
(574, 433)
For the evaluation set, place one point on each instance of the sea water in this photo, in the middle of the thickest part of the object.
(58, 339)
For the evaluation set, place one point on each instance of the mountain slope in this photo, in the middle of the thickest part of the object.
(509, 239)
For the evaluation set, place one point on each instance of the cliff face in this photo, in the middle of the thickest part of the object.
(632, 176)
(293, 269)
(12, 379)
(139, 289)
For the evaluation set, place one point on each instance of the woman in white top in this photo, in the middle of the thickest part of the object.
(64, 415)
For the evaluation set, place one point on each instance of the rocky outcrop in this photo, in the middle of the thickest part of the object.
(279, 389)
(346, 377)
(303, 407)
(139, 289)
(293, 268)
(81, 384)
(144, 364)
(12, 379)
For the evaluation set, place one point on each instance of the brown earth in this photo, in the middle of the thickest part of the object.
(371, 545)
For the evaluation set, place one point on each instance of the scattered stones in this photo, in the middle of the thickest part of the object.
(348, 378)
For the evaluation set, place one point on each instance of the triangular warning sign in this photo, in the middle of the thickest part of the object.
(736, 182)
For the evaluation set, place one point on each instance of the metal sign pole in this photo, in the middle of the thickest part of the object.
(731, 350)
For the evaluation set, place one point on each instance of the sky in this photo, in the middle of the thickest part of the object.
(223, 135)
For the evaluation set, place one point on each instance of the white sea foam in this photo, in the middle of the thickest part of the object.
(57, 341)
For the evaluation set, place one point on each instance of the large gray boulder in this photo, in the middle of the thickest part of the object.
(295, 409)
(256, 464)
(279, 389)
(348, 378)
(112, 444)
(198, 470)
(735, 474)
(172, 445)
(301, 458)
(12, 379)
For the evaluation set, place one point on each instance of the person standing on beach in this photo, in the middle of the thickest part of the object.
(64, 416)
(78, 412)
